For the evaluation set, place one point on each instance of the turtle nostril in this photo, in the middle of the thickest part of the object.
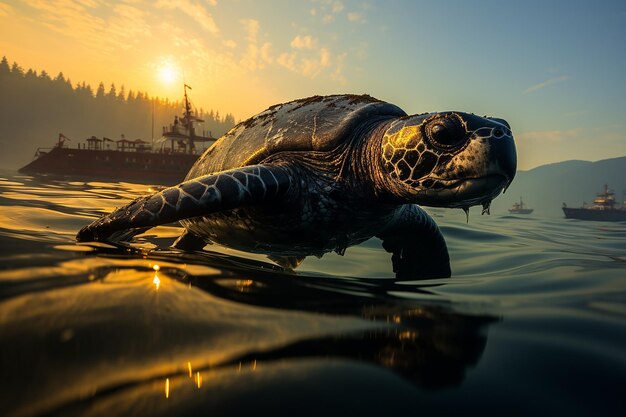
(498, 133)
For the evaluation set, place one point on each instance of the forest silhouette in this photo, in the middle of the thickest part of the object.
(35, 108)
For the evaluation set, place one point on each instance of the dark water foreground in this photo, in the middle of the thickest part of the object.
(532, 322)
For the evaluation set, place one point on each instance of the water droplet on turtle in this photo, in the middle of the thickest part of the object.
(486, 207)
(466, 210)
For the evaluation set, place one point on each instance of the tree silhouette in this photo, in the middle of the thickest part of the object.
(34, 109)
(100, 91)
(5, 70)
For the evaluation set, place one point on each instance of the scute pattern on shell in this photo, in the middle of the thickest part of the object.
(318, 123)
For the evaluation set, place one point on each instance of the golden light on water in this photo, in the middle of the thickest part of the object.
(190, 371)
(198, 379)
(156, 281)
(244, 285)
(407, 335)
(167, 388)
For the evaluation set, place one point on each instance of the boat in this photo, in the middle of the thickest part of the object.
(604, 208)
(519, 208)
(165, 161)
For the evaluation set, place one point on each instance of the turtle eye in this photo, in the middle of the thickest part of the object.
(446, 132)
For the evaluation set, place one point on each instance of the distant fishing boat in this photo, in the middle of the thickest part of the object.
(165, 162)
(519, 208)
(604, 208)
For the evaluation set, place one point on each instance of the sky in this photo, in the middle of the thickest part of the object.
(556, 70)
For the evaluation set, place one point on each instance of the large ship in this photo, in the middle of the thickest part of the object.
(604, 208)
(165, 161)
(520, 208)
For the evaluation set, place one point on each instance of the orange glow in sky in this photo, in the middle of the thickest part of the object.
(555, 77)
(168, 73)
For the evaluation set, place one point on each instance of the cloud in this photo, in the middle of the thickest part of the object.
(251, 26)
(144, 32)
(548, 82)
(128, 23)
(5, 9)
(329, 10)
(88, 3)
(356, 17)
(254, 57)
(287, 60)
(194, 10)
(303, 42)
(552, 136)
(306, 63)
(324, 57)
(337, 7)
(265, 52)
(79, 20)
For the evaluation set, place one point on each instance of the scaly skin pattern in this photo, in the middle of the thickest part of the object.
(466, 169)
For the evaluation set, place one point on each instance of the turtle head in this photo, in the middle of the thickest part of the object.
(448, 159)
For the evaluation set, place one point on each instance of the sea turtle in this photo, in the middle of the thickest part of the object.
(326, 172)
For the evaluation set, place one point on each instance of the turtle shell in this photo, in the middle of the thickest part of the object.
(318, 123)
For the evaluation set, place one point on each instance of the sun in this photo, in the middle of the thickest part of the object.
(168, 73)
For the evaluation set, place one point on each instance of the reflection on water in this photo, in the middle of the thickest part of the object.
(532, 311)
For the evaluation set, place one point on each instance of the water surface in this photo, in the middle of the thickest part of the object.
(532, 321)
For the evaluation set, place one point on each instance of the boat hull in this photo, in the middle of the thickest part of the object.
(520, 211)
(607, 215)
(109, 165)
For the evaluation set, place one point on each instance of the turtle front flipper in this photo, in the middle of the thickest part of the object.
(417, 246)
(198, 197)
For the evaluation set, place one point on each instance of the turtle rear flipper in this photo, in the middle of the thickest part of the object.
(198, 197)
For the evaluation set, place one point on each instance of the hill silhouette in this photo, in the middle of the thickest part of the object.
(547, 187)
(35, 108)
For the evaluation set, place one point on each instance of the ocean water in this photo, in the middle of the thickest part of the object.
(532, 321)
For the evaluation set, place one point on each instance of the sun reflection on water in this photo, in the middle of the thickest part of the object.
(156, 281)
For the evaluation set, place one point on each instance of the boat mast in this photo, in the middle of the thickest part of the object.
(189, 121)
(152, 132)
